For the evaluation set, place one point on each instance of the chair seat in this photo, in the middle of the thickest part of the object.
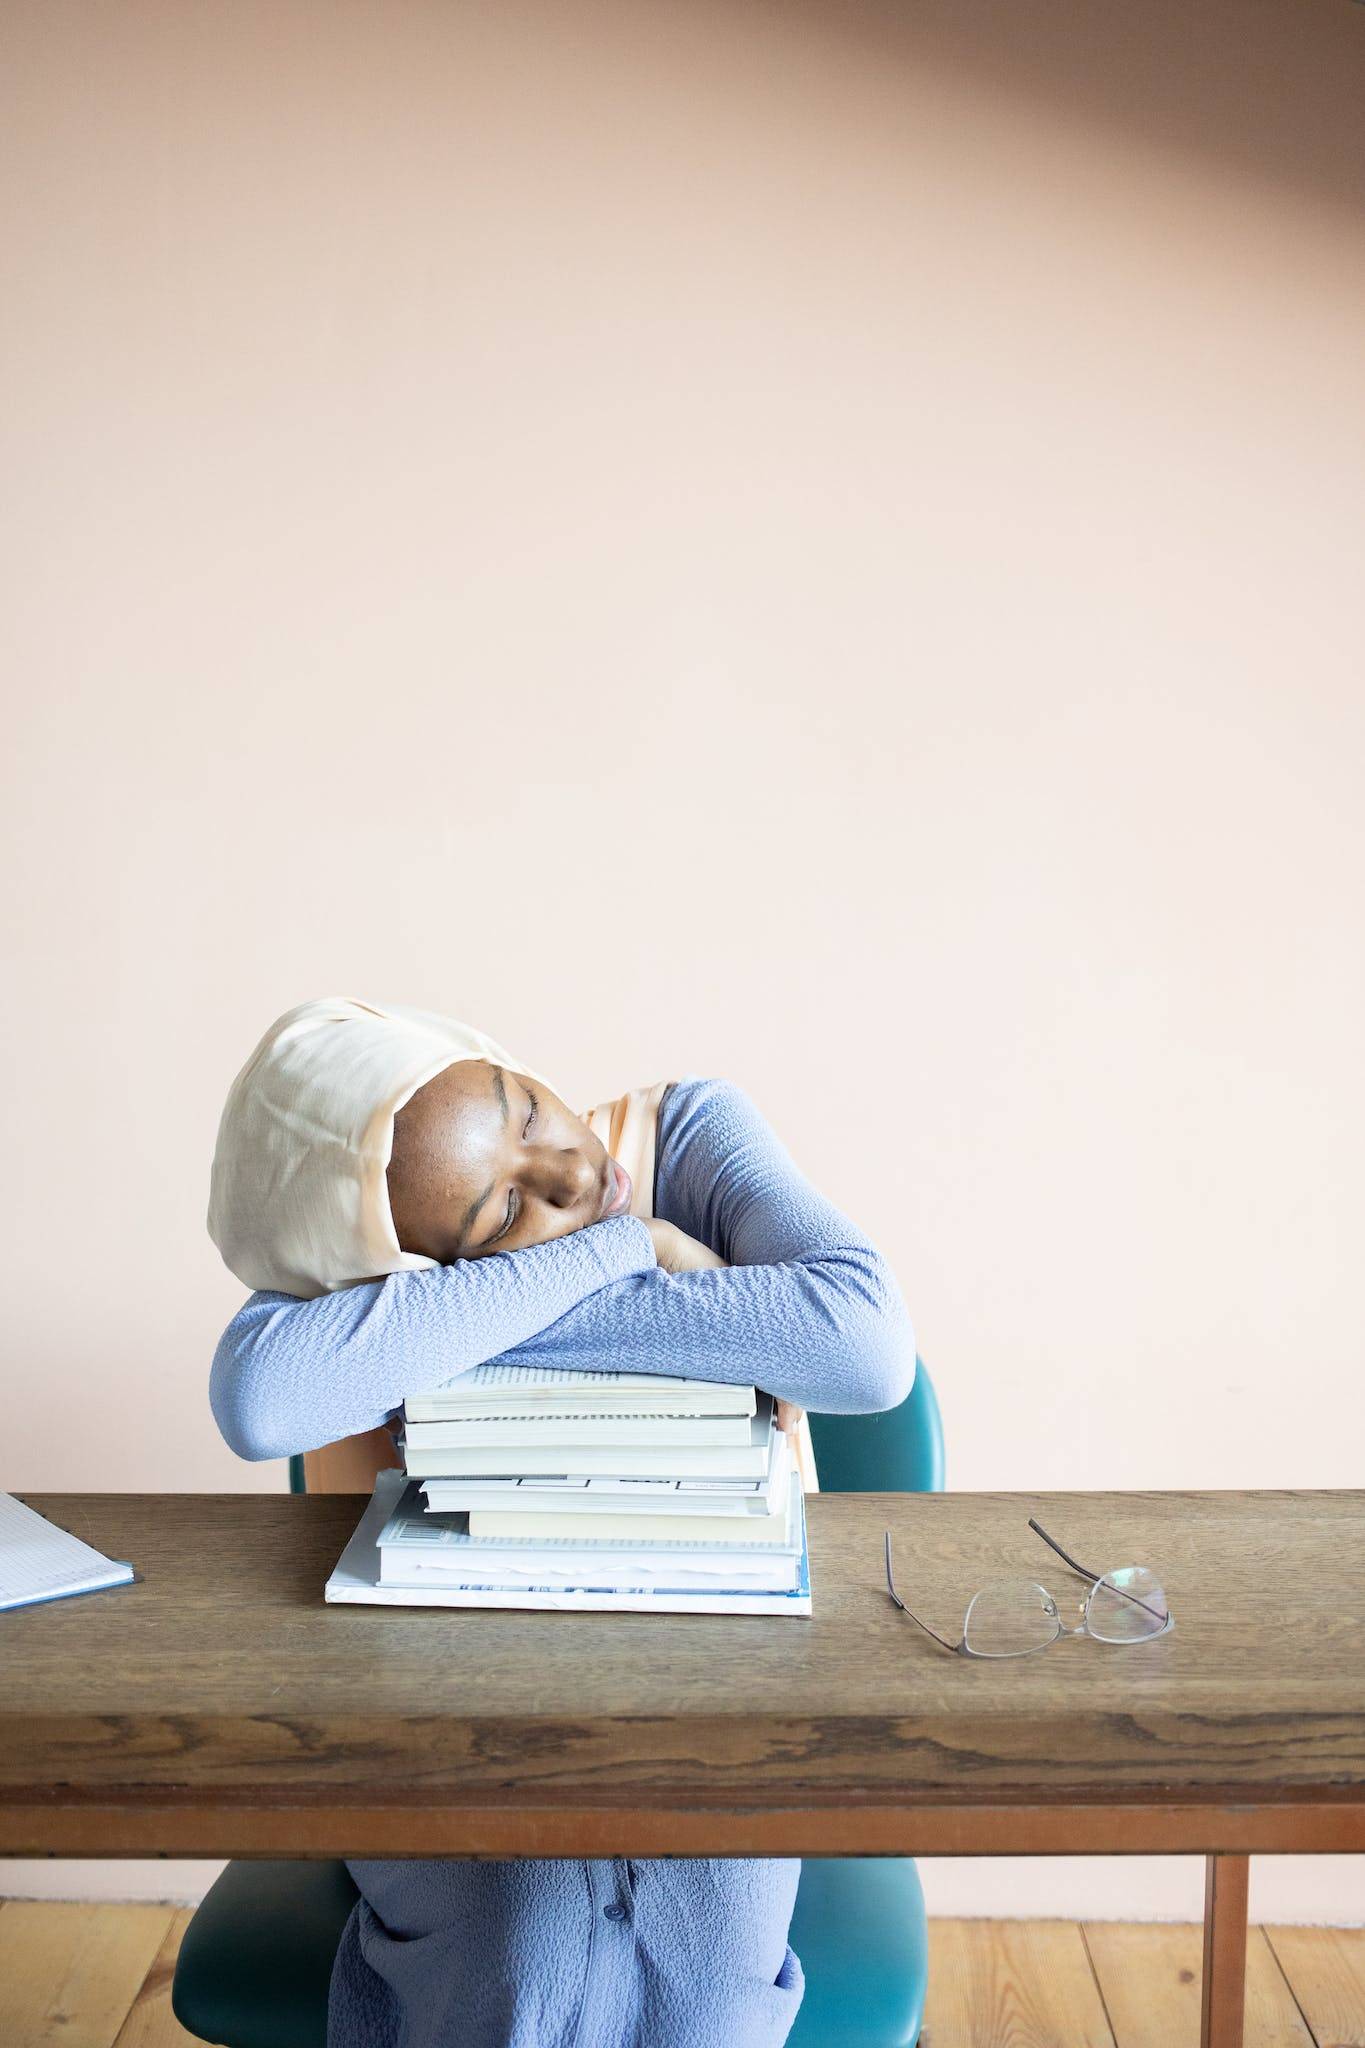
(256, 1962)
(863, 1939)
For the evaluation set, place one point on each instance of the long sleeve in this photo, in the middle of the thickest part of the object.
(289, 1375)
(807, 1307)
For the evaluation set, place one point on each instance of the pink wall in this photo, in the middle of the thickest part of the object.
(820, 544)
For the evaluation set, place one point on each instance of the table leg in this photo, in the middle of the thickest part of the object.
(1225, 1951)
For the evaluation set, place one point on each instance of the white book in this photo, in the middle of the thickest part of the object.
(40, 1561)
(355, 1578)
(508, 1389)
(737, 1499)
(753, 1531)
(740, 1573)
(422, 1536)
(411, 1554)
(566, 1461)
(623, 1503)
(647, 1430)
(748, 1575)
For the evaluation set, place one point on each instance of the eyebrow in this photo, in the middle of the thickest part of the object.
(472, 1211)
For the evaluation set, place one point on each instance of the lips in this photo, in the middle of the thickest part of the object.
(619, 1190)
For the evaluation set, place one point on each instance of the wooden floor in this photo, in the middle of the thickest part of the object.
(100, 1977)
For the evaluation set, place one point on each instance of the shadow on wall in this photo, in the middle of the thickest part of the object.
(1265, 91)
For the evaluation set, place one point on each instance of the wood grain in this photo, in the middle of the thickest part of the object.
(1012, 1984)
(1224, 1960)
(1150, 1979)
(1326, 1967)
(151, 2022)
(205, 1824)
(70, 1974)
(991, 1984)
(219, 1706)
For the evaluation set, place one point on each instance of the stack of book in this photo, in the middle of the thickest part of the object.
(595, 1490)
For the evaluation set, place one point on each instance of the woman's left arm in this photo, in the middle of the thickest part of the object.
(806, 1307)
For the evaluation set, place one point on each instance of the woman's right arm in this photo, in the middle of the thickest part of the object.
(289, 1375)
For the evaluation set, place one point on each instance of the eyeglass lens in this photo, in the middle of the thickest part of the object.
(1127, 1604)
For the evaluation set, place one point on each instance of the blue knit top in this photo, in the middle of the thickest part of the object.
(545, 1953)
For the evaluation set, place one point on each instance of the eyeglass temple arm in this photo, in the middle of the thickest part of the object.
(1060, 1552)
(891, 1589)
(1095, 1576)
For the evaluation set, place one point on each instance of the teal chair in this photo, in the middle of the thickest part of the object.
(860, 1927)
(256, 1960)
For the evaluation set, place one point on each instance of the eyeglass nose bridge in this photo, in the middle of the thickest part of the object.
(1083, 1612)
(1054, 1609)
(1082, 1627)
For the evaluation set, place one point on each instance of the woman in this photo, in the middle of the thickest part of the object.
(364, 1140)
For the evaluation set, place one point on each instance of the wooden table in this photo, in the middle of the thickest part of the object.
(218, 1707)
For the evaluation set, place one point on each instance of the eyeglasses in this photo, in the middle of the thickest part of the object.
(1010, 1617)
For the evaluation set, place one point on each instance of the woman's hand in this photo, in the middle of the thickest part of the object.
(789, 1418)
(676, 1252)
(792, 1420)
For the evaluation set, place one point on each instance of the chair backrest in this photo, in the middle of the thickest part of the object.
(898, 1451)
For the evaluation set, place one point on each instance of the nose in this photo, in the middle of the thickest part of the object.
(566, 1177)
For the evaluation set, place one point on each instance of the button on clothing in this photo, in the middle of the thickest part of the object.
(545, 1954)
(687, 1952)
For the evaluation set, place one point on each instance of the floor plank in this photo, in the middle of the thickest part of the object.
(1149, 1977)
(69, 1973)
(1011, 1984)
(1326, 1970)
(151, 2023)
(99, 1976)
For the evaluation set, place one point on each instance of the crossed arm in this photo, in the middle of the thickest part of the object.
(804, 1306)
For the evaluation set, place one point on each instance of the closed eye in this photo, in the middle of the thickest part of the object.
(513, 1201)
(508, 1221)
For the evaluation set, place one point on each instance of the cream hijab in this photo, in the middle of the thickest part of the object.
(298, 1198)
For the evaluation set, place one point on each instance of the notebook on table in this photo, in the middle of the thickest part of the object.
(39, 1561)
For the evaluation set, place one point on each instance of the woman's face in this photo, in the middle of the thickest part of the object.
(486, 1160)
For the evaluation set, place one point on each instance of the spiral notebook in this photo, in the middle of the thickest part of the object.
(39, 1561)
